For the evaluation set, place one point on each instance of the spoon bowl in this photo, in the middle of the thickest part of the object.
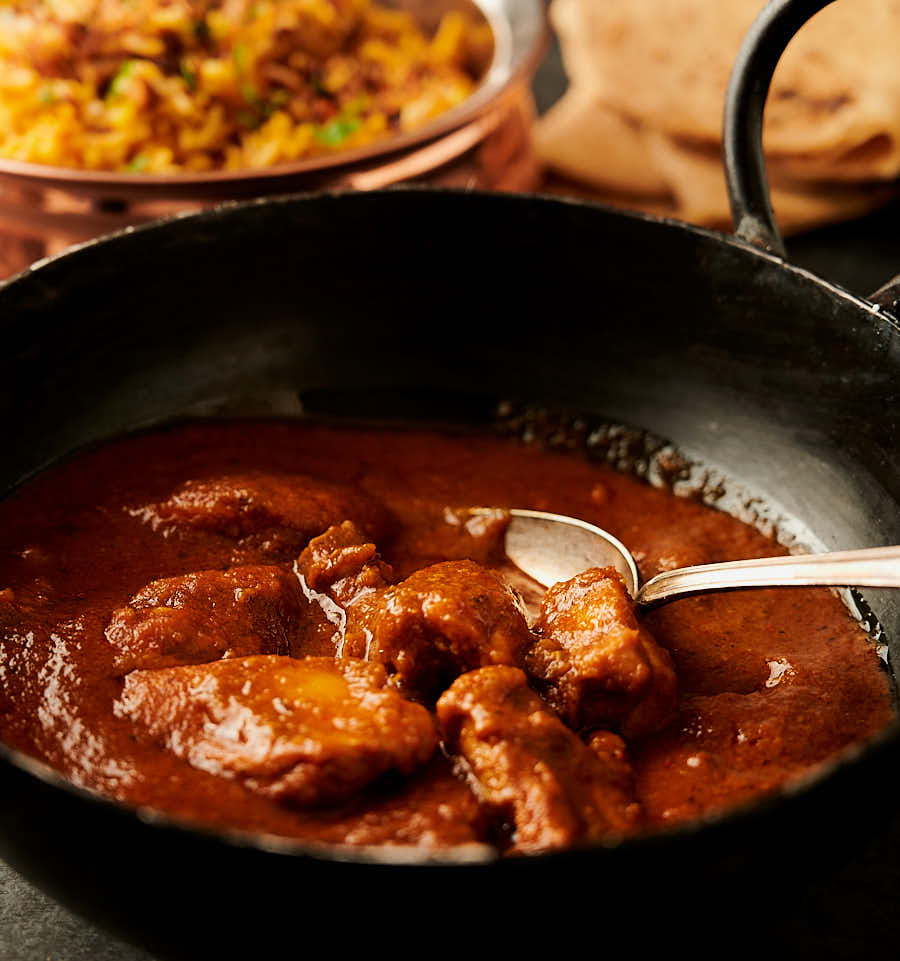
(550, 548)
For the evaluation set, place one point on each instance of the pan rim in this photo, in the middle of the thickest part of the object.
(340, 194)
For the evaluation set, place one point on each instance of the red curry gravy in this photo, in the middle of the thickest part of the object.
(770, 682)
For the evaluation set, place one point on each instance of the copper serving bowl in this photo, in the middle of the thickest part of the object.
(483, 142)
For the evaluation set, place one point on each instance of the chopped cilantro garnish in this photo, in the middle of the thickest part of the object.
(46, 95)
(116, 85)
(336, 131)
(138, 164)
(188, 75)
(248, 90)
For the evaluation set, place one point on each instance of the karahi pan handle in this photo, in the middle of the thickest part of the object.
(745, 100)
(745, 165)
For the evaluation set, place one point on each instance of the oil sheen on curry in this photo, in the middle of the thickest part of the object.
(304, 630)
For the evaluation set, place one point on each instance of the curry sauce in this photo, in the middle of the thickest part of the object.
(113, 672)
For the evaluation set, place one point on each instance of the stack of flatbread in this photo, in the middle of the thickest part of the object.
(641, 121)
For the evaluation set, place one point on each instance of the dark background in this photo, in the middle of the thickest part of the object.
(852, 910)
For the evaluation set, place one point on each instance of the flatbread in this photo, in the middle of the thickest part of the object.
(583, 139)
(601, 155)
(834, 108)
(697, 182)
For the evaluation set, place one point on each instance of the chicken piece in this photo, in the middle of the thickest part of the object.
(529, 767)
(440, 622)
(342, 564)
(208, 615)
(276, 514)
(437, 624)
(595, 663)
(309, 732)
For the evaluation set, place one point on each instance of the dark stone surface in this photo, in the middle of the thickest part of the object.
(35, 928)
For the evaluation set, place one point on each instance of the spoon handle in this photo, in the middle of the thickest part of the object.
(872, 567)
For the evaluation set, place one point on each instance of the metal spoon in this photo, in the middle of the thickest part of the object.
(551, 547)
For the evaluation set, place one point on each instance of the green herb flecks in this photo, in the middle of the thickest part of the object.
(336, 131)
(138, 164)
(46, 95)
(118, 82)
(247, 88)
(188, 76)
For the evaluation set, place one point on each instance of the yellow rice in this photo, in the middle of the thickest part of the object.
(168, 86)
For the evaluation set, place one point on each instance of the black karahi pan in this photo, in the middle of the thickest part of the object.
(435, 304)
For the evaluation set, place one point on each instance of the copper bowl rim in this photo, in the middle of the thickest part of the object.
(520, 34)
